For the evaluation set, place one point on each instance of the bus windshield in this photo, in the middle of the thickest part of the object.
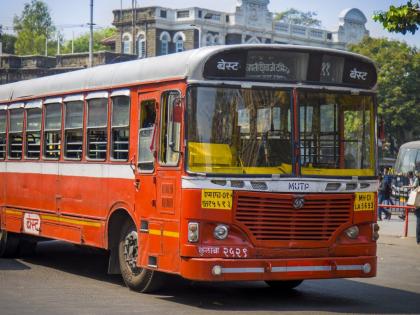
(336, 134)
(239, 131)
(408, 160)
(249, 131)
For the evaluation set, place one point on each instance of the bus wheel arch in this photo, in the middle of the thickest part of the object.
(115, 222)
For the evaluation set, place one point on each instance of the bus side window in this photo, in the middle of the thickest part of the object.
(16, 133)
(73, 130)
(97, 128)
(170, 130)
(33, 133)
(52, 131)
(3, 123)
(146, 135)
(120, 127)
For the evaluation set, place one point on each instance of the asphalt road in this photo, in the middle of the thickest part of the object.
(64, 279)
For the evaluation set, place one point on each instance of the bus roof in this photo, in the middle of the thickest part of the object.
(188, 64)
(411, 145)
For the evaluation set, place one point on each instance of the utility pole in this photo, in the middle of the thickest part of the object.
(58, 42)
(91, 36)
(121, 32)
(1, 42)
(133, 21)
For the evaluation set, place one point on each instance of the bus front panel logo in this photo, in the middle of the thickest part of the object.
(298, 203)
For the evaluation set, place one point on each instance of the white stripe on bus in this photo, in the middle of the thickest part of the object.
(79, 169)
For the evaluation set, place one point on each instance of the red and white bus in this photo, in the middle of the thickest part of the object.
(250, 162)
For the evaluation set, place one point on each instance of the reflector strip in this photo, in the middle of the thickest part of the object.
(293, 269)
(242, 270)
(164, 233)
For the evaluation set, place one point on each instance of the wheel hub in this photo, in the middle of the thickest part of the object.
(131, 251)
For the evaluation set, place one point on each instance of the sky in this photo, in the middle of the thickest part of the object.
(68, 13)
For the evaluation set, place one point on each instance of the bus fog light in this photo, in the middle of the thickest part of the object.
(221, 232)
(193, 232)
(352, 232)
(367, 268)
(216, 270)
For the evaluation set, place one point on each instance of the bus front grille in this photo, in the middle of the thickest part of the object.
(271, 217)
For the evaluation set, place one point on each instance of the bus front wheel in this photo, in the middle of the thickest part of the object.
(285, 284)
(137, 279)
(9, 244)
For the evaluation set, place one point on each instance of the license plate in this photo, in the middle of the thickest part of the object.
(216, 199)
(364, 201)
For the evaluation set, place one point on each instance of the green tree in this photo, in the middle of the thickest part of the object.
(402, 19)
(297, 17)
(398, 86)
(81, 43)
(8, 42)
(33, 27)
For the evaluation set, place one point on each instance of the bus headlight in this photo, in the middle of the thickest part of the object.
(221, 232)
(193, 232)
(352, 232)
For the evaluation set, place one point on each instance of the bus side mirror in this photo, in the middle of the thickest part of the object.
(176, 122)
(177, 110)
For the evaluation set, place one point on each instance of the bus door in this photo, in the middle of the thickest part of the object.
(145, 178)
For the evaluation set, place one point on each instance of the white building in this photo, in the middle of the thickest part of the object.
(153, 31)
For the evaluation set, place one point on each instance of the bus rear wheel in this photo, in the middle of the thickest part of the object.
(9, 244)
(137, 279)
(284, 285)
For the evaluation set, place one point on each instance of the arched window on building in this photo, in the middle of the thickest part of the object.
(179, 39)
(165, 38)
(209, 40)
(126, 44)
(141, 46)
(216, 40)
(253, 40)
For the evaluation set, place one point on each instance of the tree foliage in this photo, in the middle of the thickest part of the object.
(33, 27)
(398, 86)
(297, 17)
(402, 19)
(8, 42)
(81, 43)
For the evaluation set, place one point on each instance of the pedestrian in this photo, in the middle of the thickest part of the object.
(413, 184)
(384, 194)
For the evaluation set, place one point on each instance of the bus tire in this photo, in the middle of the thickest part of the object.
(284, 285)
(137, 279)
(9, 244)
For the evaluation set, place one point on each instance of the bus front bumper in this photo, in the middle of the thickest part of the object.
(218, 269)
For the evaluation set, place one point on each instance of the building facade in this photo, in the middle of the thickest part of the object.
(154, 31)
(16, 68)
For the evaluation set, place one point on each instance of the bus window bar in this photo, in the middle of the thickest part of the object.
(100, 151)
(32, 151)
(74, 151)
(122, 151)
(98, 142)
(52, 151)
(53, 143)
(75, 143)
(120, 142)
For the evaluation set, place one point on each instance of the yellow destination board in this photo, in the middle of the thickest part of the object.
(216, 199)
(364, 201)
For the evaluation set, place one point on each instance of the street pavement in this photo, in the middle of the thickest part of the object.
(65, 279)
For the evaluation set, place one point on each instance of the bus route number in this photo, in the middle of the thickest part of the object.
(216, 199)
(364, 202)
